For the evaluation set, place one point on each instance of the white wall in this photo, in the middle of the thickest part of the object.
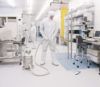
(10, 12)
(97, 14)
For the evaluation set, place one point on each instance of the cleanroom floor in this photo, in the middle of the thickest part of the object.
(13, 75)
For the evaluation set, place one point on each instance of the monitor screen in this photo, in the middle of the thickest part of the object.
(97, 34)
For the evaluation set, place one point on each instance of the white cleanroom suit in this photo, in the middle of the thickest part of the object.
(48, 29)
(26, 34)
(33, 35)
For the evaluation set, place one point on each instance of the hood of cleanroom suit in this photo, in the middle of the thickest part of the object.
(51, 13)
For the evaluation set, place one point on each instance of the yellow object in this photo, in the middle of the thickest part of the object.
(64, 11)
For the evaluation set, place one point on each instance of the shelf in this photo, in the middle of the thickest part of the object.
(78, 16)
(77, 25)
(81, 8)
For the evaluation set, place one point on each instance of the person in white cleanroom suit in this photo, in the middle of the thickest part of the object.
(33, 34)
(48, 29)
(21, 28)
(26, 34)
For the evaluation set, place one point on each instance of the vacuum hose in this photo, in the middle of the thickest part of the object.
(76, 72)
(36, 64)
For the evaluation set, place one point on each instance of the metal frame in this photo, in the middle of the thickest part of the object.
(7, 50)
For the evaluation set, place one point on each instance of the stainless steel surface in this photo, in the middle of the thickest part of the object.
(94, 58)
(2, 49)
(8, 52)
(27, 62)
(93, 52)
(71, 36)
(68, 39)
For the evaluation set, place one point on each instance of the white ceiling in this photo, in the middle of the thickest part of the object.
(36, 5)
(18, 3)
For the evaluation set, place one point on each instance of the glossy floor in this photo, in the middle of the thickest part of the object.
(14, 76)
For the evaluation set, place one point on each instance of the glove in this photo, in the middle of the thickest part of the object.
(46, 38)
(52, 38)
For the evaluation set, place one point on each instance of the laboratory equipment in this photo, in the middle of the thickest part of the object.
(94, 54)
(2, 22)
(9, 34)
(27, 59)
(97, 35)
(81, 51)
(93, 51)
(8, 52)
